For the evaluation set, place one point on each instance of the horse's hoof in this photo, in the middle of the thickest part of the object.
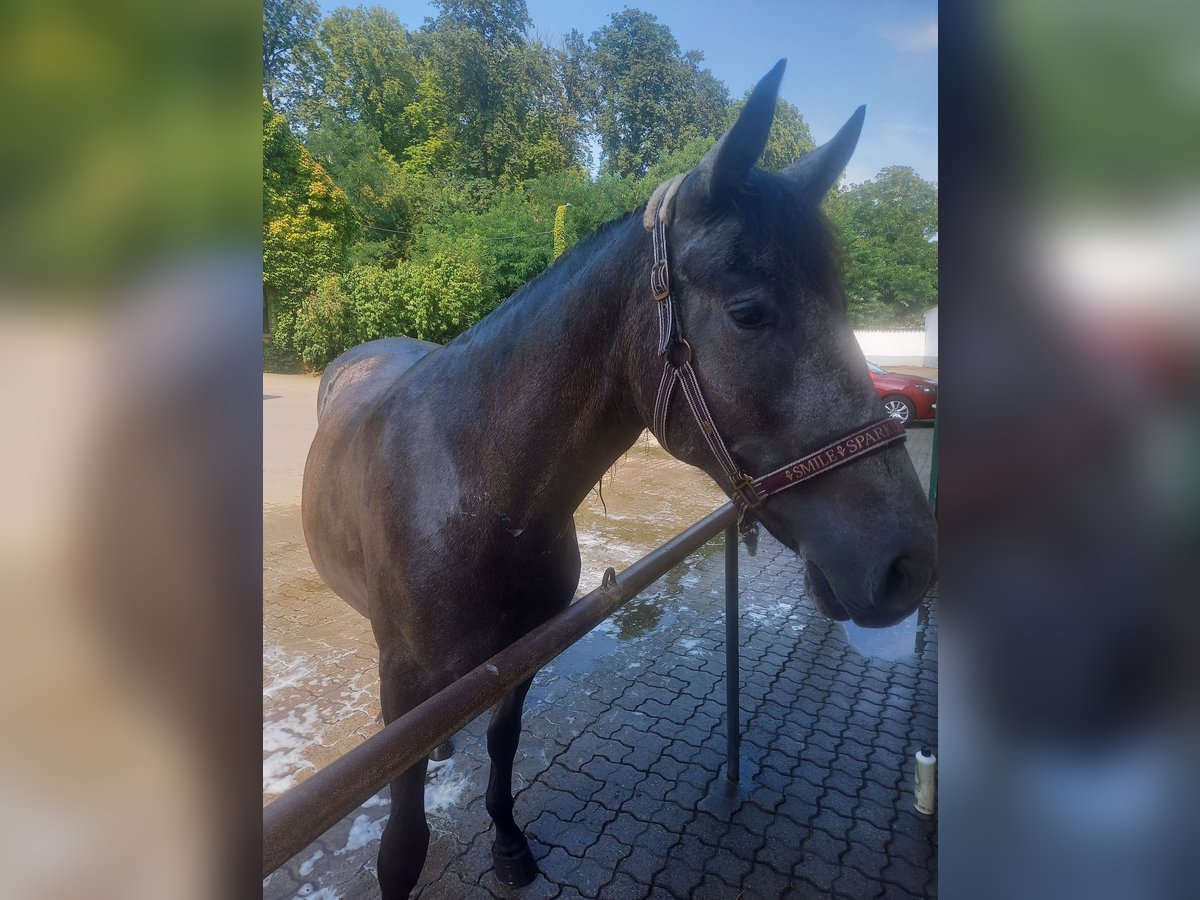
(442, 751)
(515, 871)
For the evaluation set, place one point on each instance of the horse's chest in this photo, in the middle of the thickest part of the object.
(522, 568)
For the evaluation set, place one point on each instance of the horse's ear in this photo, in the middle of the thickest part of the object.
(727, 164)
(818, 171)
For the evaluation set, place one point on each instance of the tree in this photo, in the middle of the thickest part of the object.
(888, 228)
(289, 27)
(500, 23)
(491, 105)
(365, 71)
(308, 225)
(374, 182)
(650, 99)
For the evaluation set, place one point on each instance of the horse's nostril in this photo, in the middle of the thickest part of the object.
(904, 583)
(898, 578)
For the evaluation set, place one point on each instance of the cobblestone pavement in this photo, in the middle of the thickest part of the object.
(620, 778)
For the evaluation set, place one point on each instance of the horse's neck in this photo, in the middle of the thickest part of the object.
(553, 360)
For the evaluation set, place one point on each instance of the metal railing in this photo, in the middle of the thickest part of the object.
(295, 819)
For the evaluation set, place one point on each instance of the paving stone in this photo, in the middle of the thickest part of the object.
(581, 785)
(816, 872)
(557, 866)
(783, 845)
(869, 860)
(852, 883)
(590, 876)
(840, 795)
(541, 888)
(623, 887)
(731, 866)
(684, 868)
(876, 814)
(654, 811)
(801, 889)
(616, 791)
(911, 876)
(711, 887)
(753, 817)
(764, 883)
(625, 828)
(649, 856)
(914, 850)
(850, 765)
(549, 829)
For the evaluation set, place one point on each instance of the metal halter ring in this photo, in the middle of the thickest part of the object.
(673, 351)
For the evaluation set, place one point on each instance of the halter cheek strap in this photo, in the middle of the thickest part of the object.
(748, 492)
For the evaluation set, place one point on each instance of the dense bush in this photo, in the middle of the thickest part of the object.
(279, 352)
(433, 298)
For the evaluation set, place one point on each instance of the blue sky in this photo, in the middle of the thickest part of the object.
(840, 54)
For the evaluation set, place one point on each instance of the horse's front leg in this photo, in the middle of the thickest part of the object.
(510, 850)
(405, 839)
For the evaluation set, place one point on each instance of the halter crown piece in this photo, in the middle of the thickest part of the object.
(749, 493)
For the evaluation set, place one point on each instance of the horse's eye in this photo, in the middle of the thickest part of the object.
(748, 315)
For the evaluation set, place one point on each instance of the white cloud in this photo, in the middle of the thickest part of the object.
(912, 39)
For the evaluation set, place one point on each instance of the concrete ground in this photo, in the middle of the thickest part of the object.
(620, 778)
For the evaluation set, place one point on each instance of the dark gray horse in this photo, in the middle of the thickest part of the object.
(440, 488)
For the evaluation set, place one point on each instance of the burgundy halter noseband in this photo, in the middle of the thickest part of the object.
(749, 493)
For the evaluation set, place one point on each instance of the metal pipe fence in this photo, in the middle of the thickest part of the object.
(295, 819)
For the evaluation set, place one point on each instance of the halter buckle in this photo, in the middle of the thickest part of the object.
(660, 281)
(747, 493)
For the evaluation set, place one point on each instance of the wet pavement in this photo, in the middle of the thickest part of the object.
(620, 777)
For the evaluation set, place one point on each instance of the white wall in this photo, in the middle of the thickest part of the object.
(931, 337)
(894, 348)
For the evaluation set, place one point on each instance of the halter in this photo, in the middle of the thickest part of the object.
(749, 493)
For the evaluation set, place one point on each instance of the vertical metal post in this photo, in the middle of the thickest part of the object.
(732, 711)
(933, 472)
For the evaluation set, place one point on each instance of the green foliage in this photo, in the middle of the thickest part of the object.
(280, 355)
(650, 99)
(675, 163)
(289, 27)
(347, 310)
(442, 295)
(378, 187)
(365, 71)
(434, 298)
(560, 231)
(501, 23)
(491, 104)
(888, 228)
(307, 225)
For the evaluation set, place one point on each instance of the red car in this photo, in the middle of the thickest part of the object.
(908, 398)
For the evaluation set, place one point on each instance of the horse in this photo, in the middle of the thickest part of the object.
(440, 487)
